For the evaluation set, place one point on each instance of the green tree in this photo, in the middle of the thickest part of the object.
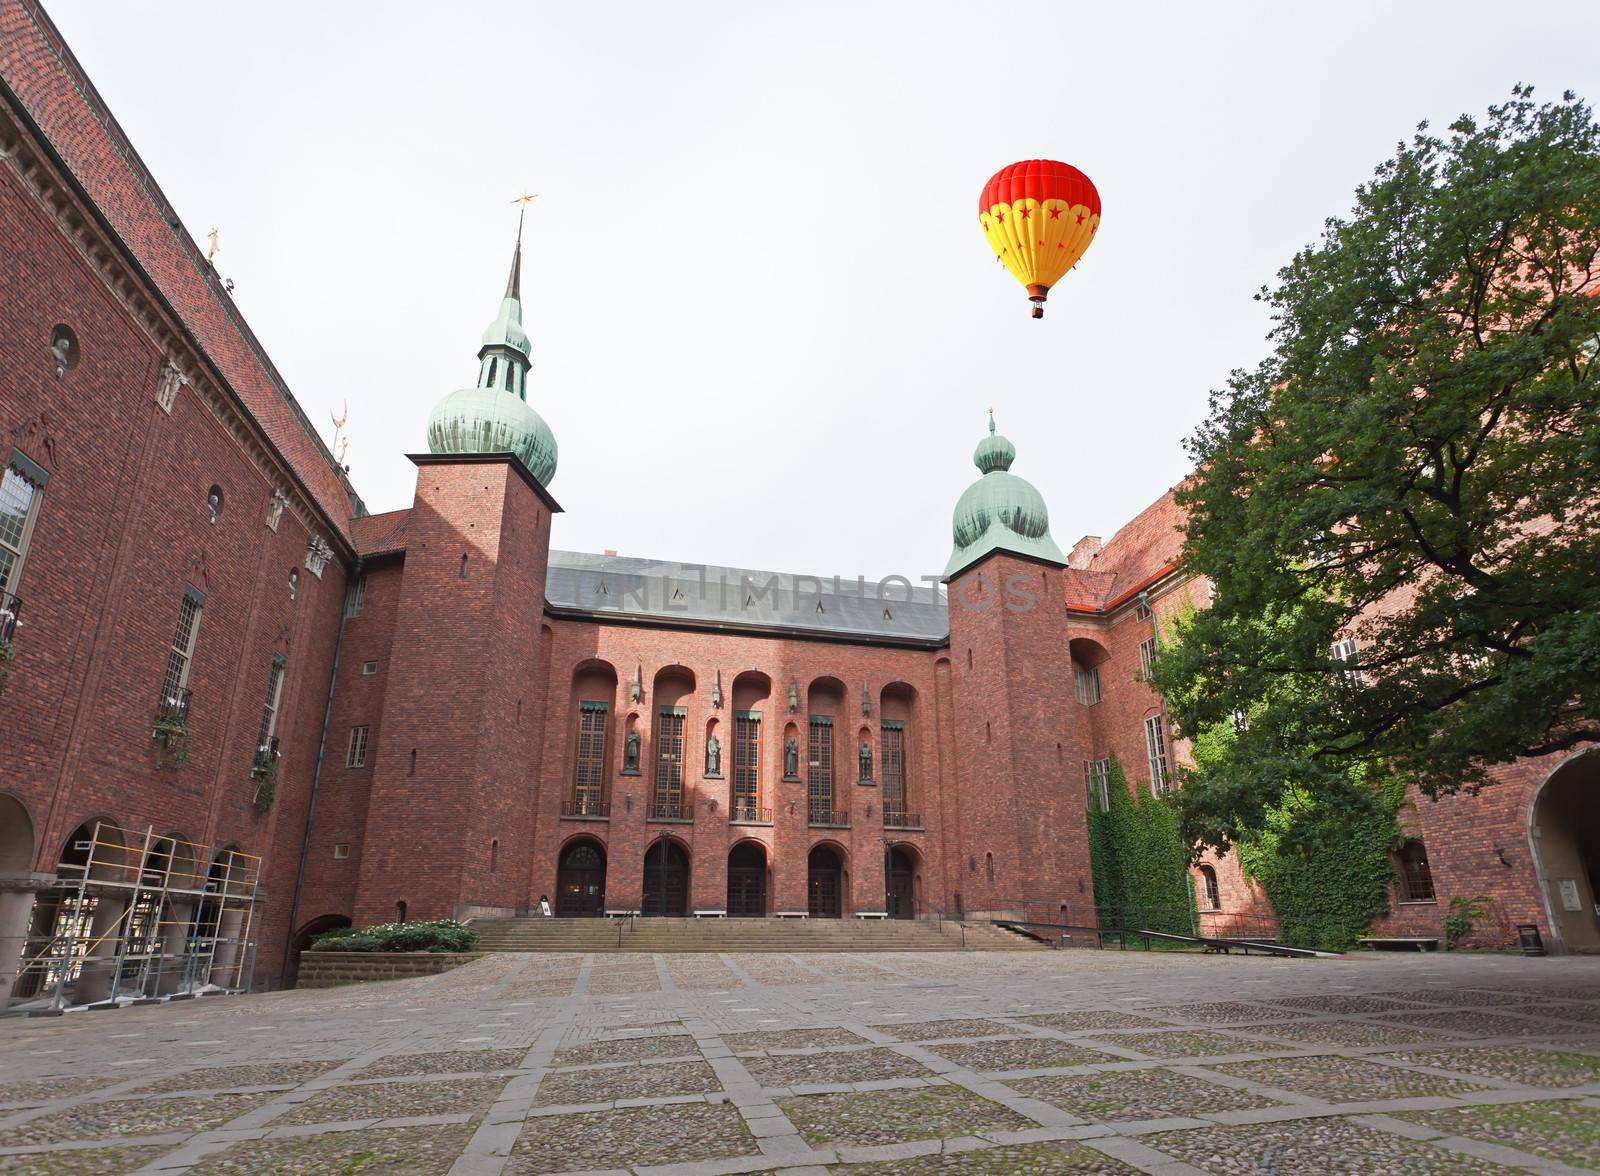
(1415, 465)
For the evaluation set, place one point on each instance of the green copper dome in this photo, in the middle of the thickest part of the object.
(493, 416)
(490, 420)
(1000, 511)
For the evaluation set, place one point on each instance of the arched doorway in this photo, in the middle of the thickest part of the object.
(1564, 827)
(902, 895)
(581, 881)
(317, 926)
(666, 879)
(747, 881)
(824, 883)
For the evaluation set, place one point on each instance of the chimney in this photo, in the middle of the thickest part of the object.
(1084, 551)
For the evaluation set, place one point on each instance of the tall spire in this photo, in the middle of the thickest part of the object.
(514, 282)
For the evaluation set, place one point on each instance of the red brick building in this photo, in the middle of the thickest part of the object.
(437, 712)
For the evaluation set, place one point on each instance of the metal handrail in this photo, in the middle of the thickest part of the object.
(584, 806)
(829, 818)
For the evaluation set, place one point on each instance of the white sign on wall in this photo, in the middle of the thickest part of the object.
(1569, 895)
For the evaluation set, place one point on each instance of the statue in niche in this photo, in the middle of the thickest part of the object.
(713, 756)
(630, 753)
(791, 759)
(865, 757)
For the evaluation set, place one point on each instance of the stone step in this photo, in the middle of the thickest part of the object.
(742, 935)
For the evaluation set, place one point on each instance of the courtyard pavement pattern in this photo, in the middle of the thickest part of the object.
(1017, 1062)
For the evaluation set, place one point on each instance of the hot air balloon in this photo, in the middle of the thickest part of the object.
(1039, 216)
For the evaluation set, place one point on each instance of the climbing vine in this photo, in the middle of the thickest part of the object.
(1139, 862)
(1324, 861)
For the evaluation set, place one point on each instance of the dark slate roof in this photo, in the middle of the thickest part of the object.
(665, 591)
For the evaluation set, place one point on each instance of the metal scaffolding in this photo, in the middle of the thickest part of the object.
(133, 917)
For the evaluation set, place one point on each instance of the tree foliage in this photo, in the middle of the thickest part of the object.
(1416, 465)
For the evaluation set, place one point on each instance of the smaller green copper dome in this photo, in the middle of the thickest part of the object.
(1000, 511)
(994, 452)
(489, 420)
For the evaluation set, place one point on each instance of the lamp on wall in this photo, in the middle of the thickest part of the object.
(1501, 854)
(627, 801)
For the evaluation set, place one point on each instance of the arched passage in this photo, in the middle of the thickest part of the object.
(1564, 827)
(666, 879)
(825, 882)
(902, 888)
(16, 903)
(581, 880)
(747, 880)
(302, 940)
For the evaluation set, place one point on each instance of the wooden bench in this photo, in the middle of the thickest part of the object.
(1397, 942)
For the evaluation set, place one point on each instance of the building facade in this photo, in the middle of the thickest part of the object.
(213, 653)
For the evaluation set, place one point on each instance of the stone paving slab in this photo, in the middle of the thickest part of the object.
(897, 1116)
(694, 1066)
(1329, 1145)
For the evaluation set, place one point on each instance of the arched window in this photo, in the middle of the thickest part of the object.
(400, 911)
(1210, 896)
(988, 865)
(494, 854)
(1416, 879)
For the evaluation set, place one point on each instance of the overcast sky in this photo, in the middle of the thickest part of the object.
(766, 325)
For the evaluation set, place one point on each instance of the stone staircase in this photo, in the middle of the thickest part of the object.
(737, 935)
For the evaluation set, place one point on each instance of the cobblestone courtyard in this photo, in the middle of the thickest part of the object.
(1075, 1061)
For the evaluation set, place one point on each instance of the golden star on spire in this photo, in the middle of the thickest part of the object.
(526, 199)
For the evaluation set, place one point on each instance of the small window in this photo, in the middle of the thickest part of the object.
(355, 597)
(1086, 683)
(988, 865)
(269, 711)
(294, 583)
(494, 855)
(1141, 611)
(1416, 878)
(341, 851)
(1209, 894)
(174, 683)
(356, 757)
(214, 503)
(1155, 744)
(1345, 653)
(19, 505)
(1096, 784)
(1149, 650)
(400, 911)
(368, 668)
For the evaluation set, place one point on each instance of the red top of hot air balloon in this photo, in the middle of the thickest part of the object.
(1041, 180)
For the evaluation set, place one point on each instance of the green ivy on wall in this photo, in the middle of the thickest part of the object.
(1324, 861)
(1139, 861)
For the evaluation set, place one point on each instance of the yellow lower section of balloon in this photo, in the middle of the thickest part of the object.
(1039, 242)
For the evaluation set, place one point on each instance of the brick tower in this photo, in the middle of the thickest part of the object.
(449, 829)
(1023, 838)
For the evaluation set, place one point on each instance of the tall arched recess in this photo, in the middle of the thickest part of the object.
(1564, 836)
